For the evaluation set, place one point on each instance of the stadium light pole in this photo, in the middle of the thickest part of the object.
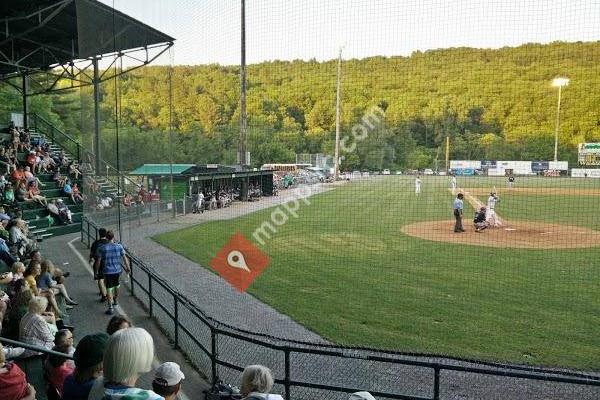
(559, 83)
(243, 116)
(336, 156)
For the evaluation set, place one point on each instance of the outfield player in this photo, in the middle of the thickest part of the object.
(453, 183)
(418, 185)
(511, 181)
(491, 217)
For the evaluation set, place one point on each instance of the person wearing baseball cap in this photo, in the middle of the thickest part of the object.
(361, 396)
(167, 380)
(88, 366)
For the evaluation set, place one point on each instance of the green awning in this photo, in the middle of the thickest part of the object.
(162, 169)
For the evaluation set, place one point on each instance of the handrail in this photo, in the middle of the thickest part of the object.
(66, 135)
(16, 343)
(53, 130)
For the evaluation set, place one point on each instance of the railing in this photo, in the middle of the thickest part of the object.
(31, 347)
(55, 135)
(222, 351)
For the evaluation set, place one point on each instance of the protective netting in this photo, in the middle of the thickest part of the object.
(443, 106)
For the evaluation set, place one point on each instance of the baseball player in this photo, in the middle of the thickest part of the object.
(417, 185)
(491, 216)
(480, 220)
(453, 183)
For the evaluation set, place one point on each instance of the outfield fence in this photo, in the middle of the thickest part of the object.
(306, 370)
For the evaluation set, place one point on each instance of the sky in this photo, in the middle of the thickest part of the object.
(208, 31)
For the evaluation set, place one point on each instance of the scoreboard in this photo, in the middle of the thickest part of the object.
(589, 154)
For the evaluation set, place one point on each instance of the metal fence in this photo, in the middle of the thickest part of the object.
(308, 370)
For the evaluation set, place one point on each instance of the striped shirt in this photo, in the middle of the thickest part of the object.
(111, 255)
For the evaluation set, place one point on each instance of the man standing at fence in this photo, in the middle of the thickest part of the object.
(98, 275)
(113, 260)
(457, 209)
(417, 185)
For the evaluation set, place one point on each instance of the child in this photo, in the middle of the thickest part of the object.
(18, 269)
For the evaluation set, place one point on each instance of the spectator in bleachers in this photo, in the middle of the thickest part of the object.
(167, 380)
(129, 353)
(64, 211)
(3, 181)
(59, 367)
(59, 179)
(47, 164)
(18, 270)
(5, 254)
(37, 326)
(4, 220)
(67, 188)
(46, 282)
(77, 196)
(88, 367)
(9, 194)
(13, 382)
(73, 170)
(127, 200)
(98, 268)
(31, 274)
(257, 382)
(34, 194)
(17, 308)
(361, 396)
(17, 175)
(30, 160)
(5, 161)
(29, 177)
(117, 323)
(18, 237)
(55, 213)
(22, 193)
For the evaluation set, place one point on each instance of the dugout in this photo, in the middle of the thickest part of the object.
(189, 178)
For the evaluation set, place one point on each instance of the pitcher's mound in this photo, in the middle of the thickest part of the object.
(516, 234)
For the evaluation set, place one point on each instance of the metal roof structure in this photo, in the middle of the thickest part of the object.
(60, 38)
(162, 169)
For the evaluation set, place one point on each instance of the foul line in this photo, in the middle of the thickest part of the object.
(156, 362)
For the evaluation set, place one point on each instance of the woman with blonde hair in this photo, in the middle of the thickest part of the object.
(35, 326)
(46, 282)
(129, 353)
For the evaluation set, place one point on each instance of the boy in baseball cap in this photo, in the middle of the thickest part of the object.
(167, 380)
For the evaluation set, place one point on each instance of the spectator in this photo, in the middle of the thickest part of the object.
(257, 382)
(13, 383)
(63, 339)
(88, 367)
(76, 195)
(5, 253)
(17, 308)
(129, 353)
(361, 396)
(55, 213)
(18, 237)
(29, 177)
(46, 282)
(22, 193)
(64, 211)
(98, 270)
(32, 272)
(34, 194)
(4, 220)
(167, 380)
(36, 326)
(117, 323)
(9, 193)
(58, 178)
(67, 188)
(112, 258)
(59, 367)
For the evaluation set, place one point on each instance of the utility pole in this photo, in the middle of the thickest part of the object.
(336, 156)
(447, 153)
(243, 116)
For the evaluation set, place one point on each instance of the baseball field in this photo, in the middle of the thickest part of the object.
(370, 263)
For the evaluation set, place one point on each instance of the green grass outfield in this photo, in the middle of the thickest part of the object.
(344, 269)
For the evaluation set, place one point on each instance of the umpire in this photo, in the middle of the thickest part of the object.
(457, 208)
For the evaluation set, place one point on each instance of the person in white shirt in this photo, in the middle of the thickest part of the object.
(257, 382)
(453, 184)
(417, 185)
(491, 217)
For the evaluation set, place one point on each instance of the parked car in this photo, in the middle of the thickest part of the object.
(386, 172)
(428, 171)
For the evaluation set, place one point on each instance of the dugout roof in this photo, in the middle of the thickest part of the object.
(38, 35)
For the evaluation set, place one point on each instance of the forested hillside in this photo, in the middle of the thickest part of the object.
(493, 104)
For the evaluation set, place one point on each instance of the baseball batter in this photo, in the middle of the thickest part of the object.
(417, 185)
(491, 217)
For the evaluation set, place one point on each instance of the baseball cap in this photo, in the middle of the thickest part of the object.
(361, 396)
(168, 374)
(90, 350)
